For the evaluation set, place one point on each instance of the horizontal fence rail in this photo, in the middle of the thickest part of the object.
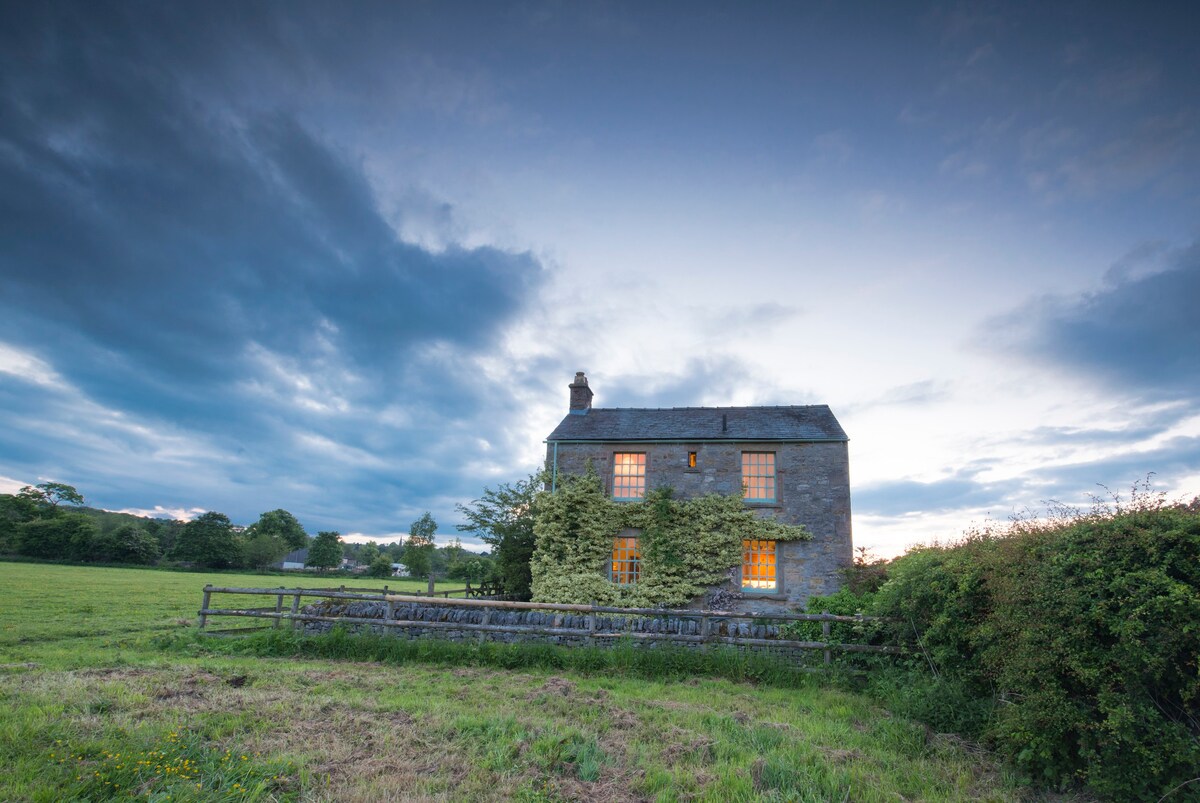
(707, 627)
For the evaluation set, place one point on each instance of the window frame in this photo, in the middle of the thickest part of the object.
(626, 476)
(753, 547)
(626, 551)
(770, 479)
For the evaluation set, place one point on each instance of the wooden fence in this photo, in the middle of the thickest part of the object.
(484, 590)
(708, 630)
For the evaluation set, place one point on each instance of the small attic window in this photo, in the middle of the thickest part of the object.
(691, 459)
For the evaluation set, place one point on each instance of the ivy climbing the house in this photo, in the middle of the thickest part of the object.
(687, 546)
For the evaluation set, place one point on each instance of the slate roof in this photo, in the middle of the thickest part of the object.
(813, 422)
(295, 556)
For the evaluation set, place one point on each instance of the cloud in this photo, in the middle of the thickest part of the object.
(712, 381)
(1138, 336)
(964, 490)
(214, 287)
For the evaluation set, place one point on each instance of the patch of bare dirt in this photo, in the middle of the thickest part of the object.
(841, 756)
(553, 687)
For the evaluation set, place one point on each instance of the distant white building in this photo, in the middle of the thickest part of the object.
(399, 570)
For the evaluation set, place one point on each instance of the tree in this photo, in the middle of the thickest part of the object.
(367, 553)
(70, 536)
(325, 551)
(128, 543)
(15, 510)
(418, 549)
(209, 541)
(503, 519)
(49, 495)
(263, 549)
(474, 569)
(282, 525)
(381, 566)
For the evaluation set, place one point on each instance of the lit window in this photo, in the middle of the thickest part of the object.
(626, 561)
(758, 476)
(758, 565)
(691, 459)
(629, 475)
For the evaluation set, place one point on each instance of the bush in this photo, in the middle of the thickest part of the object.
(126, 544)
(1072, 647)
(68, 536)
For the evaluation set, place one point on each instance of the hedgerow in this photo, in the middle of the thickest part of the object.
(1071, 647)
(686, 546)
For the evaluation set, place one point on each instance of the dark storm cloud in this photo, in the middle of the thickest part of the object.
(1139, 335)
(178, 252)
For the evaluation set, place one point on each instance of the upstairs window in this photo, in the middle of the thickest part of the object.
(629, 475)
(626, 561)
(758, 476)
(758, 566)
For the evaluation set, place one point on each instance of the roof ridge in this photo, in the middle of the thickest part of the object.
(732, 407)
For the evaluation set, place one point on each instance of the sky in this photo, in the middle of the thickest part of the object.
(344, 259)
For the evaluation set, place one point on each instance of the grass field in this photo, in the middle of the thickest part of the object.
(107, 694)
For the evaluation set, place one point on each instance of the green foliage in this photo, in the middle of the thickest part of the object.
(503, 519)
(68, 535)
(418, 549)
(14, 511)
(380, 566)
(326, 550)
(209, 541)
(282, 525)
(687, 546)
(473, 569)
(1077, 644)
(49, 495)
(126, 544)
(263, 549)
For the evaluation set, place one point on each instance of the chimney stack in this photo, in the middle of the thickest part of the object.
(581, 394)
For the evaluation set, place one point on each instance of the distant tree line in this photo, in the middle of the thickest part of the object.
(49, 521)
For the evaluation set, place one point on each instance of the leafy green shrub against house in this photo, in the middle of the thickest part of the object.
(686, 546)
(1072, 647)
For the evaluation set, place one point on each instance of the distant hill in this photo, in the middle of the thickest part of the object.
(108, 521)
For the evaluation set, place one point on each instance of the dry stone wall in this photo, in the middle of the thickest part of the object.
(608, 624)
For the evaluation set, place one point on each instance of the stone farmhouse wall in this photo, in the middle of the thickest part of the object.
(812, 489)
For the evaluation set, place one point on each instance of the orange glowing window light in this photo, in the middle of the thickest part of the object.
(758, 565)
(626, 561)
(629, 475)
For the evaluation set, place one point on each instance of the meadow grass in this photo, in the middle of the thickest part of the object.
(108, 693)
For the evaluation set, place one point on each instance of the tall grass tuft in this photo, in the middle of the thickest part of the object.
(623, 659)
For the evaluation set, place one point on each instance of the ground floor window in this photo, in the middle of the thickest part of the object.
(758, 566)
(626, 560)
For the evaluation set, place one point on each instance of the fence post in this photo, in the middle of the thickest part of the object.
(279, 607)
(704, 634)
(431, 583)
(592, 624)
(204, 605)
(295, 608)
(486, 620)
(825, 638)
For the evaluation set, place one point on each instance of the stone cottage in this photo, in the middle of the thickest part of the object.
(790, 463)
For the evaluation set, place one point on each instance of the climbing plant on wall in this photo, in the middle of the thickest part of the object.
(686, 546)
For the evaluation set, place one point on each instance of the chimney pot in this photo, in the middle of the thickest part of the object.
(581, 394)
